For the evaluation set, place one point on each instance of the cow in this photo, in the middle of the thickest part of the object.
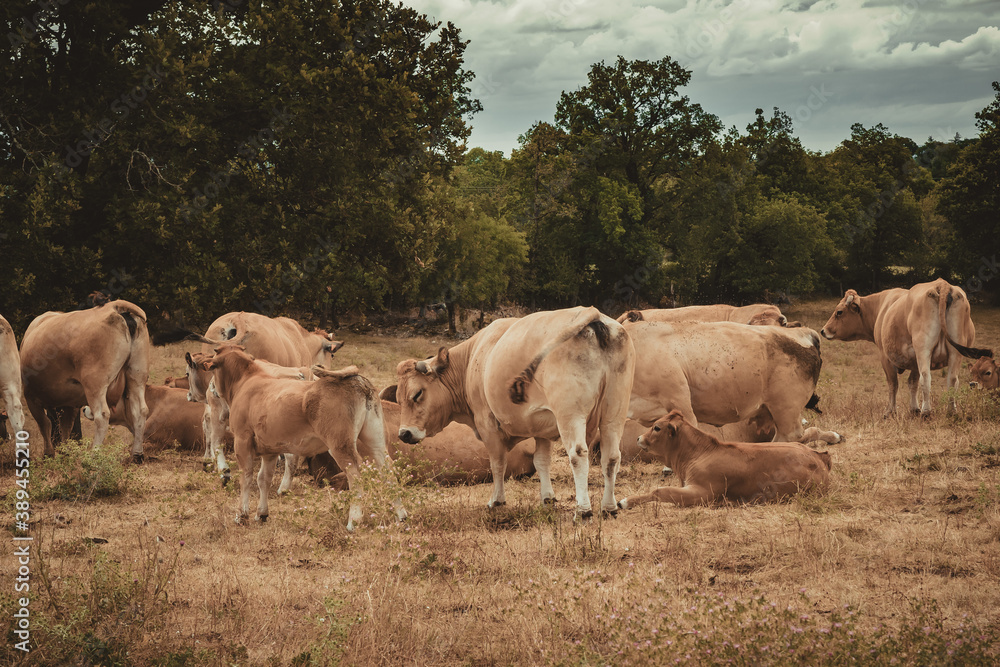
(10, 379)
(722, 372)
(271, 416)
(757, 314)
(984, 374)
(564, 374)
(177, 382)
(711, 471)
(279, 340)
(172, 419)
(89, 359)
(920, 329)
(215, 420)
(453, 456)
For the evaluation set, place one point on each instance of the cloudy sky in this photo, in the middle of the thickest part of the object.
(920, 67)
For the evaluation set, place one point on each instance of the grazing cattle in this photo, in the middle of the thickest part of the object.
(453, 456)
(172, 419)
(270, 416)
(564, 374)
(89, 359)
(984, 374)
(178, 382)
(10, 379)
(920, 329)
(710, 471)
(721, 372)
(757, 314)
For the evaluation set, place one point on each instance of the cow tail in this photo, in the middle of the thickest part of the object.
(813, 404)
(945, 299)
(593, 322)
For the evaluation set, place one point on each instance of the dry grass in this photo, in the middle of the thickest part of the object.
(907, 538)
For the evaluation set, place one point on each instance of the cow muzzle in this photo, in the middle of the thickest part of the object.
(974, 384)
(411, 436)
(640, 442)
(825, 334)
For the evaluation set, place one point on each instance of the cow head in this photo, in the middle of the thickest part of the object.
(770, 316)
(984, 374)
(661, 438)
(425, 401)
(230, 363)
(846, 323)
(323, 346)
(198, 376)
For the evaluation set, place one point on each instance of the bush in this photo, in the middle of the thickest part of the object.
(79, 472)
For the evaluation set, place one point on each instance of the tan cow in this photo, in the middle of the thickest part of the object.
(271, 416)
(984, 374)
(920, 329)
(89, 359)
(721, 372)
(10, 378)
(453, 456)
(563, 374)
(757, 314)
(215, 420)
(711, 471)
(172, 419)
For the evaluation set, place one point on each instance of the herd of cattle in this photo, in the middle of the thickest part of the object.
(714, 392)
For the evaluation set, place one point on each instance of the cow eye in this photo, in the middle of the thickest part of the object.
(656, 429)
(988, 373)
(417, 396)
(839, 313)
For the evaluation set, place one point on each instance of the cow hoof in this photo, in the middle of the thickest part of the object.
(584, 515)
(609, 514)
(623, 504)
(494, 505)
(225, 479)
(241, 520)
(138, 459)
(549, 501)
(925, 416)
(206, 466)
(262, 518)
(667, 471)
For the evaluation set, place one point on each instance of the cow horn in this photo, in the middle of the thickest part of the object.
(421, 367)
(849, 300)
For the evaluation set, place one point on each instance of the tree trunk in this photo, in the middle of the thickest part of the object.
(452, 315)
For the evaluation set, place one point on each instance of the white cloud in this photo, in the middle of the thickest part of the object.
(882, 59)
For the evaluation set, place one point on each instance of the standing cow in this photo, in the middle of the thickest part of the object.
(10, 378)
(920, 329)
(89, 359)
(563, 374)
(722, 372)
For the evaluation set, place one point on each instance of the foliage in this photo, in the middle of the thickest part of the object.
(81, 472)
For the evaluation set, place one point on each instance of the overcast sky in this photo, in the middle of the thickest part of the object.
(920, 67)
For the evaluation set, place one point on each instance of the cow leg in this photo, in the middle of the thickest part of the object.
(264, 477)
(954, 367)
(291, 463)
(244, 459)
(136, 411)
(98, 410)
(573, 433)
(684, 496)
(371, 438)
(892, 380)
(913, 383)
(812, 434)
(498, 466)
(217, 415)
(611, 436)
(15, 413)
(37, 411)
(924, 366)
(345, 453)
(543, 464)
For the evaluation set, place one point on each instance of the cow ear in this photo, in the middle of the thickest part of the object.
(207, 365)
(335, 344)
(672, 429)
(440, 363)
(189, 360)
(388, 394)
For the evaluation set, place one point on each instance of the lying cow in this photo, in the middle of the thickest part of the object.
(721, 373)
(453, 456)
(89, 359)
(270, 416)
(172, 420)
(920, 329)
(564, 374)
(984, 374)
(710, 471)
(10, 379)
(758, 314)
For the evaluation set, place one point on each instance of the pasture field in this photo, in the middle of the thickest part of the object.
(898, 563)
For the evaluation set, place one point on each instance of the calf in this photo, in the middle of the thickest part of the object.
(710, 471)
(172, 419)
(271, 416)
(984, 374)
